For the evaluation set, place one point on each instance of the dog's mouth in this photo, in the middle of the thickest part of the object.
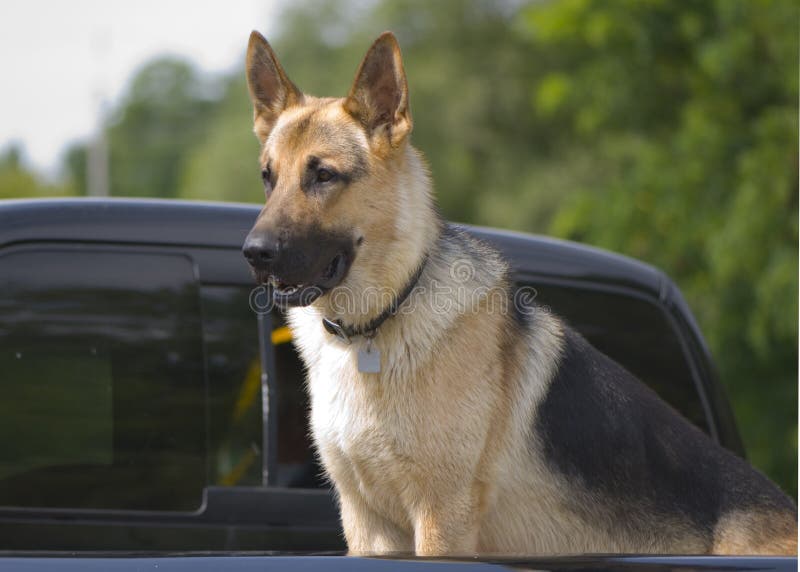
(292, 294)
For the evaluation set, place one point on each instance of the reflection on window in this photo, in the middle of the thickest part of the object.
(234, 396)
(101, 373)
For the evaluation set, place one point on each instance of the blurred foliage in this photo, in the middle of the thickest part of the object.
(164, 114)
(18, 181)
(662, 130)
(693, 106)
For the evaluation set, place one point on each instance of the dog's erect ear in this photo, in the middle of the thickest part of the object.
(270, 88)
(379, 96)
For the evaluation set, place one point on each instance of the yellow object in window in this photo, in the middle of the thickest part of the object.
(281, 335)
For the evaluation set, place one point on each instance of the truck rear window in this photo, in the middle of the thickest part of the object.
(103, 383)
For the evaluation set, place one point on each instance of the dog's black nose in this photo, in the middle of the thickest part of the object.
(260, 250)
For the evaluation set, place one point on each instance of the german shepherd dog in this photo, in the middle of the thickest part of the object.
(450, 427)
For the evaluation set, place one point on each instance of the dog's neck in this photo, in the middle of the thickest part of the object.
(461, 277)
(347, 332)
(369, 290)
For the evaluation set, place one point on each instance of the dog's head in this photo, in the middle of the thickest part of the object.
(330, 169)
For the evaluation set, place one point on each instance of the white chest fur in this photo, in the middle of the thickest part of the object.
(379, 434)
(422, 426)
(362, 431)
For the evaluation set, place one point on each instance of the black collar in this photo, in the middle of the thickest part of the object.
(346, 333)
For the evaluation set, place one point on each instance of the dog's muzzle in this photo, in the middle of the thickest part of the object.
(298, 269)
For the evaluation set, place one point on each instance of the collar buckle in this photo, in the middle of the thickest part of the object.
(336, 329)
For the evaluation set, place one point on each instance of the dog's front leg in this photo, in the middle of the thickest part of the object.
(447, 527)
(368, 532)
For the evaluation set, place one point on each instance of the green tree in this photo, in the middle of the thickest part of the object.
(18, 181)
(166, 112)
(692, 109)
(224, 166)
(163, 115)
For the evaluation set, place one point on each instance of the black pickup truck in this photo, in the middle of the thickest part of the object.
(148, 408)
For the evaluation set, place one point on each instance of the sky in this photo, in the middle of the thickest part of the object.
(62, 61)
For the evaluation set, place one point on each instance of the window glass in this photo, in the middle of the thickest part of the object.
(101, 373)
(234, 379)
(634, 333)
(297, 464)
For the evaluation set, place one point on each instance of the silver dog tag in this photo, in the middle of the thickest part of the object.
(369, 359)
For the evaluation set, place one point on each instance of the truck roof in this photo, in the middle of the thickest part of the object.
(217, 224)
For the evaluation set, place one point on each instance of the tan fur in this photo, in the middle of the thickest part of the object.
(756, 533)
(436, 453)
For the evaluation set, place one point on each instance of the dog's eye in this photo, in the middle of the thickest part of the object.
(324, 175)
(266, 178)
